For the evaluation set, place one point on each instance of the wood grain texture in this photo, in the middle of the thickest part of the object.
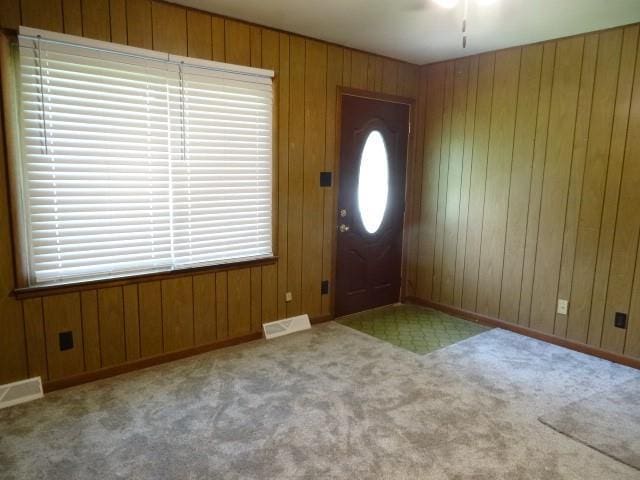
(118, 14)
(151, 336)
(72, 16)
(96, 19)
(199, 31)
(112, 331)
(44, 14)
(169, 23)
(153, 316)
(177, 314)
(545, 210)
(90, 330)
(35, 338)
(131, 321)
(139, 25)
(62, 314)
(204, 308)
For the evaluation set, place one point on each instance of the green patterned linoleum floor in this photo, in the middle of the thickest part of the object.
(417, 329)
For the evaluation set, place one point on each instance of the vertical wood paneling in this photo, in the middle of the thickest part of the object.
(331, 164)
(204, 308)
(557, 170)
(177, 313)
(503, 116)
(454, 179)
(112, 332)
(523, 140)
(45, 14)
(121, 324)
(443, 176)
(10, 14)
(535, 191)
(269, 293)
(431, 160)
(150, 298)
(239, 301)
(35, 338)
(283, 173)
(602, 331)
(217, 38)
(359, 67)
(61, 314)
(237, 42)
(548, 207)
(595, 175)
(222, 323)
(465, 184)
(169, 24)
(314, 158)
(90, 330)
(131, 321)
(72, 16)
(118, 9)
(256, 299)
(295, 198)
(574, 200)
(629, 202)
(478, 180)
(96, 19)
(139, 26)
(199, 43)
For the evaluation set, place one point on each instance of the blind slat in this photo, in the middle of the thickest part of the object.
(134, 163)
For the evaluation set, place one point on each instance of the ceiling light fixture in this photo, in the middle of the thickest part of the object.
(453, 3)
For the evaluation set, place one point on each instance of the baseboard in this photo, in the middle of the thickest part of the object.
(144, 363)
(321, 319)
(529, 332)
(133, 365)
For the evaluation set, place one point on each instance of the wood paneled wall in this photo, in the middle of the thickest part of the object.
(119, 324)
(530, 187)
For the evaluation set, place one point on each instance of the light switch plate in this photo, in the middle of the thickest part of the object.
(288, 297)
(563, 306)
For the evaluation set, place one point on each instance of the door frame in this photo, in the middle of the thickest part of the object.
(408, 190)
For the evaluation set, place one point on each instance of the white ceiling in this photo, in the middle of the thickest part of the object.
(420, 31)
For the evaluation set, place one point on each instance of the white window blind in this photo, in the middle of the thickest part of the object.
(135, 161)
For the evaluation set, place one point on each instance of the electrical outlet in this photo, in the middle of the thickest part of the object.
(288, 297)
(620, 320)
(563, 306)
(65, 340)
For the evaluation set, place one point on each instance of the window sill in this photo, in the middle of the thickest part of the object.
(40, 291)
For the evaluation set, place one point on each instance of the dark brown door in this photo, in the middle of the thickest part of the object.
(373, 152)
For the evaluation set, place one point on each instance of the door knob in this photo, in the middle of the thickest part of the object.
(343, 228)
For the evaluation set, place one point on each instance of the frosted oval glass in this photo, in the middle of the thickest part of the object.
(373, 182)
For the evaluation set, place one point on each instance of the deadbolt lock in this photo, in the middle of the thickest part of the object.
(343, 212)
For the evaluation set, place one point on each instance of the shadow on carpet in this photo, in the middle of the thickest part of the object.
(608, 422)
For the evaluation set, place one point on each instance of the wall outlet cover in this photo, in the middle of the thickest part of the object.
(563, 306)
(288, 297)
(620, 320)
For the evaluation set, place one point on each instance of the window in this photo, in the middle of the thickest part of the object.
(134, 161)
(373, 182)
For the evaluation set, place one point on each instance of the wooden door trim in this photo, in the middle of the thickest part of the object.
(410, 160)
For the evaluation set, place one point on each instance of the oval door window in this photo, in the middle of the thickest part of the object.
(373, 182)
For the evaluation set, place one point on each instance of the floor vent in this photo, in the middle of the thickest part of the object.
(286, 326)
(20, 392)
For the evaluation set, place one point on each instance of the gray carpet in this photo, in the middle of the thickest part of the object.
(326, 403)
(608, 421)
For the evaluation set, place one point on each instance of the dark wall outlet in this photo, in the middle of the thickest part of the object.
(325, 179)
(620, 320)
(66, 341)
(324, 287)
